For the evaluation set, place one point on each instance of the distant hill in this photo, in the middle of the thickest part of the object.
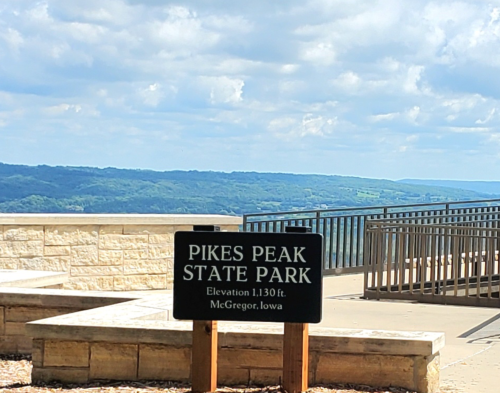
(483, 187)
(47, 189)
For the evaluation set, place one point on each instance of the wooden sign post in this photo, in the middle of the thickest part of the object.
(245, 276)
(204, 356)
(204, 346)
(296, 357)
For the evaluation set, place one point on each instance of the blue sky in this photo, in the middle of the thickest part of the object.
(382, 89)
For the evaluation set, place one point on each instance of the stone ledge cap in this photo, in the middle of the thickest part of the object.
(118, 219)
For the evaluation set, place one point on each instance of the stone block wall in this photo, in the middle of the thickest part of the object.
(100, 252)
(21, 305)
(82, 362)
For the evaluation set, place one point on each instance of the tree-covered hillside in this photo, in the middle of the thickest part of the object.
(92, 190)
(484, 187)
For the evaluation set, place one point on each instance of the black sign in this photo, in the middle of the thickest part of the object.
(240, 276)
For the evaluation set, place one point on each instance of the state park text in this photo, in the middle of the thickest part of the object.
(267, 254)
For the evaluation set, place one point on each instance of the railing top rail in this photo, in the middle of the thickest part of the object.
(447, 216)
(465, 225)
(386, 207)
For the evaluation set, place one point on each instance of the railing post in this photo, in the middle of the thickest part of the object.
(245, 223)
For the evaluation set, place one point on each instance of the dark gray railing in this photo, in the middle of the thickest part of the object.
(449, 263)
(343, 228)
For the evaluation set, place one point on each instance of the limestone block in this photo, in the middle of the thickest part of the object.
(66, 354)
(110, 257)
(27, 314)
(139, 282)
(147, 229)
(23, 233)
(71, 235)
(1, 233)
(374, 370)
(31, 248)
(170, 263)
(96, 271)
(15, 328)
(2, 321)
(68, 375)
(135, 254)
(111, 230)
(164, 362)
(156, 266)
(9, 263)
(113, 361)
(161, 251)
(427, 374)
(53, 264)
(52, 251)
(232, 376)
(230, 228)
(90, 283)
(24, 345)
(265, 376)
(37, 353)
(8, 345)
(123, 242)
(179, 228)
(84, 255)
(249, 358)
(157, 238)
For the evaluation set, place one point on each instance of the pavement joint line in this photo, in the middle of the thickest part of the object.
(468, 357)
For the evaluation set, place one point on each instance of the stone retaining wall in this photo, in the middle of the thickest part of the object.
(21, 305)
(136, 340)
(238, 363)
(100, 251)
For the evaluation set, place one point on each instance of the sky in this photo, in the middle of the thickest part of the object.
(387, 89)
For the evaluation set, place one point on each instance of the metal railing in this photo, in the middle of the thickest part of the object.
(453, 262)
(343, 229)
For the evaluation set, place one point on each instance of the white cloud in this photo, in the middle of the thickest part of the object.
(223, 90)
(413, 77)
(70, 109)
(289, 68)
(488, 118)
(468, 130)
(318, 53)
(63, 108)
(348, 80)
(152, 95)
(310, 125)
(383, 117)
(413, 114)
(13, 38)
(182, 30)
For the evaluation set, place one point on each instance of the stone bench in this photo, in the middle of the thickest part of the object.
(138, 340)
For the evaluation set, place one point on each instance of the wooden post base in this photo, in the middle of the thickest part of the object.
(296, 357)
(204, 357)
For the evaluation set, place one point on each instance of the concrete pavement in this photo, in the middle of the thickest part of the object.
(470, 360)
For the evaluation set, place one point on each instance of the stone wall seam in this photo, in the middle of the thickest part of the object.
(415, 372)
(313, 364)
(2, 321)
